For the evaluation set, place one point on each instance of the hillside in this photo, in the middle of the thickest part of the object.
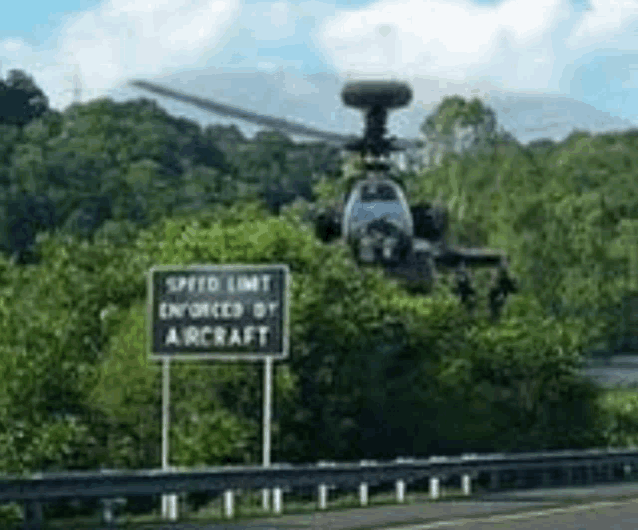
(94, 196)
(313, 99)
(103, 168)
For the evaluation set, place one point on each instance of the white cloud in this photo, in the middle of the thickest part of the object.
(266, 65)
(449, 40)
(449, 46)
(603, 19)
(521, 45)
(13, 45)
(279, 14)
(122, 39)
(276, 21)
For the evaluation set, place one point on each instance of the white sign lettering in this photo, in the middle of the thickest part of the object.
(216, 336)
(199, 284)
(261, 309)
(207, 284)
(168, 310)
(248, 283)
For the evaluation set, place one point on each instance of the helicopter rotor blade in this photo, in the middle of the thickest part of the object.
(404, 143)
(249, 116)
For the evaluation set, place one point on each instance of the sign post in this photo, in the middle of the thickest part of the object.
(266, 428)
(224, 313)
(169, 502)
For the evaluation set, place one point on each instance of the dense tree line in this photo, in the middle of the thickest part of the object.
(92, 197)
(99, 168)
(372, 371)
(568, 215)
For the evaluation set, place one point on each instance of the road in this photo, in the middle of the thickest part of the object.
(602, 515)
(604, 507)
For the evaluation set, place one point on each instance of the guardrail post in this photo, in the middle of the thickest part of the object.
(466, 484)
(546, 477)
(434, 488)
(323, 496)
(111, 511)
(627, 471)
(107, 511)
(172, 507)
(610, 472)
(363, 494)
(589, 474)
(228, 504)
(277, 500)
(569, 473)
(400, 491)
(494, 480)
(33, 519)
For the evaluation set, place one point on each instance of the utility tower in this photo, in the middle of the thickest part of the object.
(77, 86)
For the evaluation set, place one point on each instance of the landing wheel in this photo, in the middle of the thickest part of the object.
(503, 285)
(464, 288)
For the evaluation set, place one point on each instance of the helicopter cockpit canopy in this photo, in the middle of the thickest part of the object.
(378, 191)
(373, 199)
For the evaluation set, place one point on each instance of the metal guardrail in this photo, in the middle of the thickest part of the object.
(42, 488)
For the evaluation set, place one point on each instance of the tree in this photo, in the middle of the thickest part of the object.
(373, 370)
(21, 100)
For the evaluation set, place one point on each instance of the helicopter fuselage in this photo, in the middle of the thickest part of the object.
(377, 221)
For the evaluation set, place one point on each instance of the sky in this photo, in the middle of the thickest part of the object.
(585, 51)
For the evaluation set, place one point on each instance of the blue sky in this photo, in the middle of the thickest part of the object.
(587, 51)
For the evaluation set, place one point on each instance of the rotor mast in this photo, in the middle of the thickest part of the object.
(375, 98)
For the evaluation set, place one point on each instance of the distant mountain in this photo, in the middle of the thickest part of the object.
(532, 117)
(315, 100)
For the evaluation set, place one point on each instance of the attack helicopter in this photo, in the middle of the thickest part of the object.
(375, 219)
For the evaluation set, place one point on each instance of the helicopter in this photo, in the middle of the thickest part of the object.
(375, 219)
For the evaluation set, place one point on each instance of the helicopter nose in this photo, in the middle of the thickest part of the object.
(366, 252)
(379, 241)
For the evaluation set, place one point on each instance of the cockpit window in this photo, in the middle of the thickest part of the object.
(377, 192)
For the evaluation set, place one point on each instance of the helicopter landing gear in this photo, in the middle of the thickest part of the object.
(464, 288)
(502, 286)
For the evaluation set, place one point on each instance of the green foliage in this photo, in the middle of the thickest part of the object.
(619, 417)
(563, 214)
(21, 101)
(520, 386)
(108, 190)
(106, 162)
(364, 357)
(456, 110)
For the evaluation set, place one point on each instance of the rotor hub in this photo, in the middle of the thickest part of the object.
(385, 94)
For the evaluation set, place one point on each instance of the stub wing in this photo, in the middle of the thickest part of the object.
(462, 258)
(454, 256)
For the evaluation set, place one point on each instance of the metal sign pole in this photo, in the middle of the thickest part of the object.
(266, 427)
(169, 502)
(166, 394)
